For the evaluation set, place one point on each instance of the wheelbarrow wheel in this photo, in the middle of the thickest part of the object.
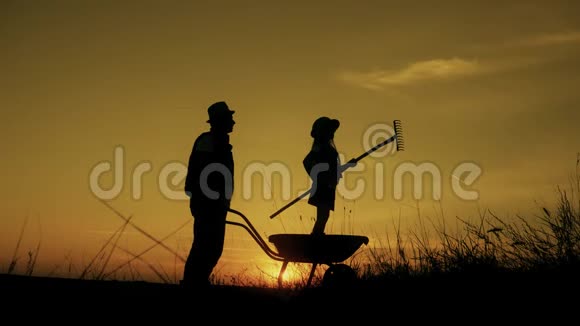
(339, 275)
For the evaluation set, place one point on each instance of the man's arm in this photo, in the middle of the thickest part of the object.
(199, 158)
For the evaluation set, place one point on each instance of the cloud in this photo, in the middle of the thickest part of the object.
(549, 39)
(538, 41)
(457, 68)
(437, 69)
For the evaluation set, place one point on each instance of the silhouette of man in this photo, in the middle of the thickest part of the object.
(209, 184)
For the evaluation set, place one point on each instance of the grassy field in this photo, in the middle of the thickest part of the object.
(482, 296)
(530, 266)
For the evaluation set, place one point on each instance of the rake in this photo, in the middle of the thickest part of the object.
(400, 145)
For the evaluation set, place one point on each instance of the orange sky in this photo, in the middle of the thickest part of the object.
(489, 84)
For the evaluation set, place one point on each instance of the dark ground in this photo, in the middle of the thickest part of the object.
(475, 297)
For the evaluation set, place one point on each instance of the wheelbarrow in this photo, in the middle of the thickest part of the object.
(330, 250)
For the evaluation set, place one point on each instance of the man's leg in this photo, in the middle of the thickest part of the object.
(215, 242)
(207, 247)
(194, 271)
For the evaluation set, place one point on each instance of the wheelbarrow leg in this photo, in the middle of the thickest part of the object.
(311, 274)
(281, 275)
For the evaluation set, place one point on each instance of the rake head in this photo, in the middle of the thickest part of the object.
(399, 135)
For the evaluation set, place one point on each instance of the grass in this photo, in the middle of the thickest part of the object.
(546, 243)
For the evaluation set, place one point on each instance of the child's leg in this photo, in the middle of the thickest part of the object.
(322, 214)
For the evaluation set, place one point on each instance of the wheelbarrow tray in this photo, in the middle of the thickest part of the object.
(321, 249)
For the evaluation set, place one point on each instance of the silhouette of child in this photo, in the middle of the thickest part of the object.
(322, 164)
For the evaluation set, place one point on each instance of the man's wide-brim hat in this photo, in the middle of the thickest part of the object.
(324, 126)
(219, 111)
